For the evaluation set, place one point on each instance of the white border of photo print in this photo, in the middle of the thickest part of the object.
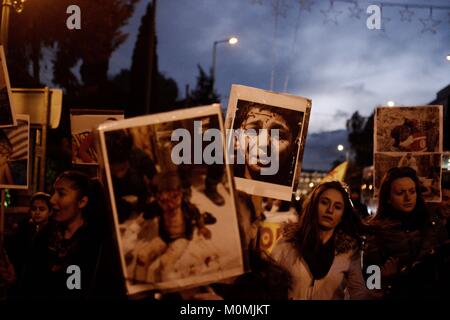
(19, 137)
(6, 95)
(298, 108)
(225, 241)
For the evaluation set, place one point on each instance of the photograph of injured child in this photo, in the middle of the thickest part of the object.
(172, 234)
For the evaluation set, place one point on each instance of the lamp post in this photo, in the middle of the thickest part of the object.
(232, 41)
(6, 8)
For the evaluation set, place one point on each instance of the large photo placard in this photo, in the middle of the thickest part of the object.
(408, 129)
(410, 137)
(170, 234)
(267, 132)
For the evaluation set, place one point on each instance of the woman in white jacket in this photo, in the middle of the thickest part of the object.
(322, 250)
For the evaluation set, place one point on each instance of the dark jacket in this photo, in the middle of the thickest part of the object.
(413, 245)
(45, 275)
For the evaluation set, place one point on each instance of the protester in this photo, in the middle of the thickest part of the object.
(401, 235)
(79, 236)
(360, 208)
(322, 250)
(21, 242)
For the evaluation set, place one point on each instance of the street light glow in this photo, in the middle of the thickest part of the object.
(340, 147)
(448, 57)
(391, 103)
(233, 40)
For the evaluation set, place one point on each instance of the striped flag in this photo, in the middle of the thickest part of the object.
(18, 136)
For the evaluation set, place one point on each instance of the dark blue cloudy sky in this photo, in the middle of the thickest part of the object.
(342, 68)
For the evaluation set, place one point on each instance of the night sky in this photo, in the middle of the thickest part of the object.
(342, 67)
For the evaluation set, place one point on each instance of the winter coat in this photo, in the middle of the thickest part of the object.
(412, 246)
(344, 280)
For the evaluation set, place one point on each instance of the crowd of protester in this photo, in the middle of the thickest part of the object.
(318, 257)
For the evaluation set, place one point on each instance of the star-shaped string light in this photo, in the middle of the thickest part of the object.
(406, 14)
(305, 5)
(331, 14)
(280, 7)
(429, 24)
(355, 11)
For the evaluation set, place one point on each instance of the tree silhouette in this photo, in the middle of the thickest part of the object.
(360, 138)
(203, 94)
(164, 90)
(42, 24)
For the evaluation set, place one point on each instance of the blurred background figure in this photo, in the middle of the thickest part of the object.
(132, 173)
(21, 242)
(360, 208)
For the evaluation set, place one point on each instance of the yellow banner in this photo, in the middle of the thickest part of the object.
(337, 173)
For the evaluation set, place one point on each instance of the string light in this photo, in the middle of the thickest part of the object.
(429, 23)
(305, 5)
(356, 11)
(384, 19)
(331, 14)
(407, 12)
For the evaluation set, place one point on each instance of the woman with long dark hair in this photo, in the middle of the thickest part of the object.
(322, 250)
(76, 240)
(401, 234)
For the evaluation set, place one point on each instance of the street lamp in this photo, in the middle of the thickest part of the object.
(341, 148)
(448, 57)
(230, 40)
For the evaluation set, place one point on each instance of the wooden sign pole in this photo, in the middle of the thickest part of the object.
(2, 214)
